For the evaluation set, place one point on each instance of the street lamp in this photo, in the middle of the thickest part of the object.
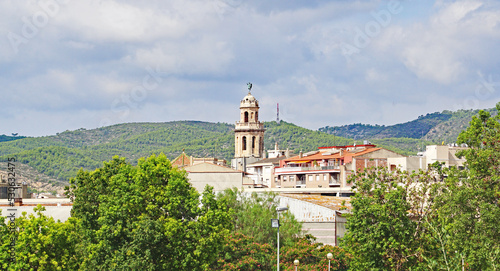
(329, 256)
(275, 223)
(296, 263)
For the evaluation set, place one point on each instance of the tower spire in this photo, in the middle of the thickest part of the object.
(249, 85)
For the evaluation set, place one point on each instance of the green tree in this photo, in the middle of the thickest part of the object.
(40, 243)
(146, 217)
(387, 224)
(252, 214)
(313, 256)
(241, 252)
(469, 201)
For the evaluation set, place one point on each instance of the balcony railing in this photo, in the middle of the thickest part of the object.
(333, 182)
(295, 169)
(249, 125)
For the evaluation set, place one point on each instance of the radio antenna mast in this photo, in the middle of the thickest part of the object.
(278, 113)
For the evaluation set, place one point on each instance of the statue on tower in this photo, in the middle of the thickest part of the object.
(249, 85)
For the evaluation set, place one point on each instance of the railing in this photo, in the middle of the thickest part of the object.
(333, 182)
(295, 169)
(249, 125)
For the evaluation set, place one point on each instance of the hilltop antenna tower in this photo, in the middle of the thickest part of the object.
(278, 113)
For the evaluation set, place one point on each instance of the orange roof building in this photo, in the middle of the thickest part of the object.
(329, 167)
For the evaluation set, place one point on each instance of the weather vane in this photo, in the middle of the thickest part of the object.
(249, 87)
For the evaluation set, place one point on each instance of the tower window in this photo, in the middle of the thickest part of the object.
(253, 143)
(246, 117)
(244, 143)
(256, 116)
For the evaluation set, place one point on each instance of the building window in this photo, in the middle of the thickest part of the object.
(246, 117)
(253, 142)
(317, 177)
(244, 143)
(326, 177)
(256, 116)
(310, 178)
(292, 178)
(284, 178)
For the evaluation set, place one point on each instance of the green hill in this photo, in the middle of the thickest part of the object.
(4, 138)
(434, 127)
(55, 159)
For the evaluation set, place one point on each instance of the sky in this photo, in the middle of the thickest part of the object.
(66, 65)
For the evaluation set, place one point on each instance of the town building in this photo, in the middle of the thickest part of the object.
(219, 177)
(329, 167)
(444, 154)
(262, 171)
(183, 160)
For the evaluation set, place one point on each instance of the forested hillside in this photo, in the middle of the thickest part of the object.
(9, 138)
(434, 127)
(56, 159)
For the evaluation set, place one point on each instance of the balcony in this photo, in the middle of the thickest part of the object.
(297, 169)
(301, 182)
(249, 125)
(334, 182)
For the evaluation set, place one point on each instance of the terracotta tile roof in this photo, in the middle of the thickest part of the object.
(321, 155)
(181, 160)
(364, 152)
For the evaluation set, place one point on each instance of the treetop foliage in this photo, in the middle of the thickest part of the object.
(441, 219)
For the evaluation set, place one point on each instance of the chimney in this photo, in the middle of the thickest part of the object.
(300, 154)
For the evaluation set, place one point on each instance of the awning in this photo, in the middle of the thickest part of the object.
(299, 162)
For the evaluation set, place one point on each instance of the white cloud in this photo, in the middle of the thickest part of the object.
(83, 65)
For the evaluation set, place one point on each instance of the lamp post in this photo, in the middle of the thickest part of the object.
(276, 224)
(296, 263)
(329, 256)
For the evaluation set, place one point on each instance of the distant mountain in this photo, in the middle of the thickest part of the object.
(434, 127)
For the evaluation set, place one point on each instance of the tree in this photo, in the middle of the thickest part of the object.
(146, 217)
(387, 224)
(40, 243)
(442, 219)
(469, 200)
(313, 256)
(252, 214)
(241, 252)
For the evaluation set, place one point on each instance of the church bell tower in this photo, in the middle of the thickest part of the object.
(248, 132)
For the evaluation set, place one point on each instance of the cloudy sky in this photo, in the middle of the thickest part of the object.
(66, 65)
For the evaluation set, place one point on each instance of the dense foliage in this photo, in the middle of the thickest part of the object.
(40, 243)
(146, 217)
(253, 213)
(441, 219)
(4, 138)
(149, 217)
